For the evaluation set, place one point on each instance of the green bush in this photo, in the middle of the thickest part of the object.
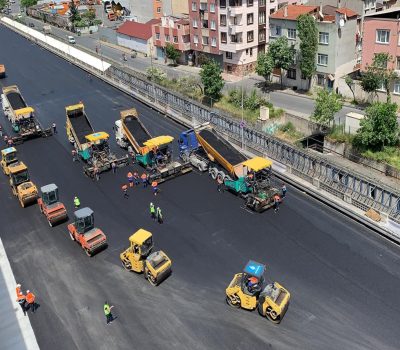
(287, 128)
(389, 155)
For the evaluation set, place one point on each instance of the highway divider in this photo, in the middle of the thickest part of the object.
(344, 189)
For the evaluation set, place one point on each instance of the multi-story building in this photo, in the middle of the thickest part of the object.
(204, 40)
(265, 9)
(172, 30)
(337, 47)
(361, 7)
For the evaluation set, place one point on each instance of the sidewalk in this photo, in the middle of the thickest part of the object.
(16, 332)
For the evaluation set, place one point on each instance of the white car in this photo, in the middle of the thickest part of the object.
(71, 39)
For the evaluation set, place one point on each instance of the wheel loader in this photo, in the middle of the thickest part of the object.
(50, 205)
(156, 266)
(8, 156)
(249, 291)
(21, 185)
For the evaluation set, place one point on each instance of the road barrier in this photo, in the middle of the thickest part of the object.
(345, 184)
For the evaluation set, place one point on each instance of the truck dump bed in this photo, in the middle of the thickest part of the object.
(226, 150)
(80, 124)
(16, 100)
(137, 130)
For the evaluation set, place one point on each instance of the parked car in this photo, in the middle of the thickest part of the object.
(71, 39)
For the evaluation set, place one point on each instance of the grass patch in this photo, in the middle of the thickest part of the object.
(389, 155)
(337, 134)
(224, 105)
(288, 133)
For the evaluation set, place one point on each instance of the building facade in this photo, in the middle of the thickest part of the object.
(337, 30)
(136, 36)
(172, 30)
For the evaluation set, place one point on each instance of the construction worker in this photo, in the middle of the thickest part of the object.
(277, 200)
(144, 180)
(125, 191)
(159, 216)
(1, 131)
(10, 142)
(253, 285)
(30, 299)
(130, 179)
(113, 167)
(284, 190)
(155, 188)
(21, 298)
(54, 126)
(77, 202)
(152, 211)
(74, 155)
(107, 312)
(136, 178)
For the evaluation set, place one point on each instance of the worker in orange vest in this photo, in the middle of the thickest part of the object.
(144, 180)
(30, 299)
(136, 178)
(21, 298)
(130, 179)
(277, 201)
(125, 191)
(154, 185)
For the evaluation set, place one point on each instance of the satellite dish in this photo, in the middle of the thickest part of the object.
(341, 22)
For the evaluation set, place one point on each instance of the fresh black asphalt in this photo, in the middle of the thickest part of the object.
(343, 278)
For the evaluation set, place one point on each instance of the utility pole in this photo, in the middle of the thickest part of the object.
(242, 123)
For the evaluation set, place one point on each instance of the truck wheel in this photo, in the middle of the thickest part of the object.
(126, 265)
(50, 223)
(72, 236)
(22, 203)
(88, 252)
(151, 278)
(213, 173)
(233, 301)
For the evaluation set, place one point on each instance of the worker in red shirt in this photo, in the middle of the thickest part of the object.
(125, 191)
(277, 201)
(154, 185)
(21, 298)
(30, 299)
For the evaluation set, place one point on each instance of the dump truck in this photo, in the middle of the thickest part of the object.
(2, 71)
(21, 116)
(153, 153)
(82, 230)
(50, 205)
(8, 156)
(20, 183)
(140, 258)
(92, 147)
(249, 291)
(208, 151)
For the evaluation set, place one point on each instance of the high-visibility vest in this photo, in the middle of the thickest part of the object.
(154, 184)
(152, 209)
(144, 176)
(30, 298)
(130, 176)
(107, 309)
(77, 202)
(124, 187)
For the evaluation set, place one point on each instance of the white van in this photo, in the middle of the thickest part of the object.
(71, 39)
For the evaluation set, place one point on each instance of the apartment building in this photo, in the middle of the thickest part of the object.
(265, 9)
(337, 49)
(174, 30)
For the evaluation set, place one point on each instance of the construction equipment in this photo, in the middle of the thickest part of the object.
(90, 238)
(92, 147)
(139, 258)
(206, 150)
(249, 291)
(20, 183)
(22, 117)
(154, 154)
(8, 156)
(2, 71)
(50, 206)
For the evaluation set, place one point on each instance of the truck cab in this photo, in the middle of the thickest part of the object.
(8, 156)
(50, 205)
(119, 135)
(20, 183)
(156, 152)
(90, 238)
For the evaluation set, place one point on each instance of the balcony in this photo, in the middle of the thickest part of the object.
(233, 11)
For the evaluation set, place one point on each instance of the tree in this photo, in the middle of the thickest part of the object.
(326, 105)
(28, 3)
(156, 74)
(378, 74)
(74, 12)
(308, 34)
(265, 65)
(379, 128)
(172, 53)
(282, 55)
(350, 83)
(3, 4)
(211, 78)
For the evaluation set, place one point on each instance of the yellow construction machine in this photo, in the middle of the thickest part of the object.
(249, 291)
(21, 185)
(8, 156)
(139, 258)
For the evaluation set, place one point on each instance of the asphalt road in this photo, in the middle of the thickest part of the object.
(344, 279)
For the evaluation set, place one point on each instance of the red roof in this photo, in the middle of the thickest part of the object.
(136, 30)
(293, 11)
(154, 21)
(345, 11)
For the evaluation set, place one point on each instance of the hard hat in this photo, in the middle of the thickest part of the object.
(151, 204)
(253, 279)
(18, 285)
(27, 291)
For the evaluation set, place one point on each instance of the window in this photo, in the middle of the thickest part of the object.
(251, 51)
(382, 36)
(291, 33)
(398, 63)
(167, 38)
(322, 59)
(203, 6)
(196, 39)
(213, 25)
(228, 55)
(213, 42)
(303, 76)
(250, 3)
(250, 36)
(205, 40)
(323, 38)
(261, 3)
(236, 20)
(261, 35)
(224, 37)
(291, 73)
(381, 63)
(157, 36)
(222, 4)
(250, 18)
(396, 89)
(175, 39)
(194, 23)
(277, 31)
(320, 79)
(222, 20)
(204, 23)
(212, 7)
(158, 9)
(194, 6)
(382, 87)
(261, 17)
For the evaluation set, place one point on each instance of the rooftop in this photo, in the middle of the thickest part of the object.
(291, 12)
(389, 13)
(136, 30)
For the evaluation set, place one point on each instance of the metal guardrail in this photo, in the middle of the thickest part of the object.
(345, 184)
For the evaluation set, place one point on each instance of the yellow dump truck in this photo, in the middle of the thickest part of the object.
(20, 183)
(8, 156)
